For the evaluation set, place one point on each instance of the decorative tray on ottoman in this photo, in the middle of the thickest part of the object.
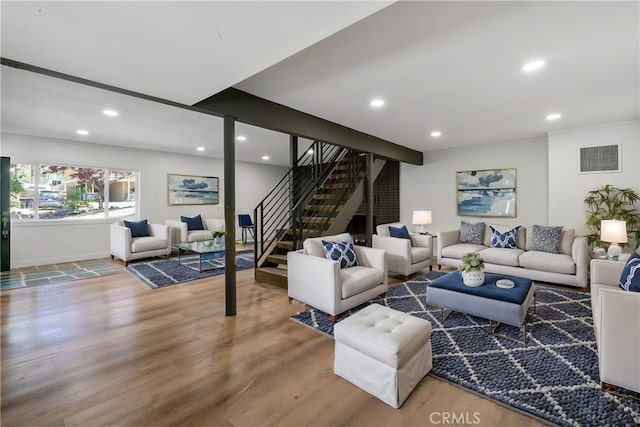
(505, 283)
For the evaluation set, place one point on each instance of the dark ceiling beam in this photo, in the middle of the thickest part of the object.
(51, 73)
(248, 108)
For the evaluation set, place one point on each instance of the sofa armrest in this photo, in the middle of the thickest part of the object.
(422, 241)
(581, 259)
(213, 224)
(605, 272)
(179, 231)
(619, 332)
(120, 241)
(160, 231)
(393, 246)
(447, 238)
(372, 257)
(314, 280)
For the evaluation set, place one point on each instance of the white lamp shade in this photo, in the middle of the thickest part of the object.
(421, 217)
(613, 231)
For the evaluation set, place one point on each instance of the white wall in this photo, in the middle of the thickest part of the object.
(46, 242)
(433, 185)
(568, 188)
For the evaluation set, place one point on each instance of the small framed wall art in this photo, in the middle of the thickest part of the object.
(489, 192)
(192, 190)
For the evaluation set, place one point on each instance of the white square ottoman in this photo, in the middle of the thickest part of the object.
(383, 351)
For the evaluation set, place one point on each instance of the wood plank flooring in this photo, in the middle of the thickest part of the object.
(111, 351)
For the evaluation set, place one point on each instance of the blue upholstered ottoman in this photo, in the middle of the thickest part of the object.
(488, 301)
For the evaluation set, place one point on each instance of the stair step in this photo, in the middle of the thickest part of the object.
(306, 233)
(283, 244)
(314, 220)
(323, 208)
(327, 196)
(278, 259)
(335, 186)
(273, 276)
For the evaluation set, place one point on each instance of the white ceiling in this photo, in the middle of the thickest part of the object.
(448, 66)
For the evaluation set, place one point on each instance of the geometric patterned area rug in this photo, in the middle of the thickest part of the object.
(55, 273)
(553, 378)
(162, 273)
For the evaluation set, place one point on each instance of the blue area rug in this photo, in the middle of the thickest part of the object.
(161, 273)
(554, 378)
(56, 273)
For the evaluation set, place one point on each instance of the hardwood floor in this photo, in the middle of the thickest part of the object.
(111, 351)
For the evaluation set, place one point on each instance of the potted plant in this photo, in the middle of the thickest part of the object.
(472, 269)
(217, 236)
(610, 202)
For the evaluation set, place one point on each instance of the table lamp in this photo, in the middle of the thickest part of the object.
(614, 232)
(421, 218)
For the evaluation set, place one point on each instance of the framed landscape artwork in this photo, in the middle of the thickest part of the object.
(489, 192)
(192, 190)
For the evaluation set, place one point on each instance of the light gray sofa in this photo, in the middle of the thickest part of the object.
(568, 267)
(180, 232)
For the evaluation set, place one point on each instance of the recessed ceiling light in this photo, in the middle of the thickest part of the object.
(200, 148)
(241, 138)
(310, 152)
(533, 65)
(265, 157)
(110, 113)
(436, 133)
(82, 132)
(554, 116)
(377, 103)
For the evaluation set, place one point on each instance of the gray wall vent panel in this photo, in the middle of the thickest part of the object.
(603, 158)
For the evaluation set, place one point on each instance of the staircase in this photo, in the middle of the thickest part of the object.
(317, 197)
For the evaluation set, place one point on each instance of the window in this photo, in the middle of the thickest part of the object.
(69, 192)
(122, 193)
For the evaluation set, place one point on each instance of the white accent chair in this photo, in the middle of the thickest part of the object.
(616, 320)
(180, 232)
(321, 283)
(128, 248)
(404, 256)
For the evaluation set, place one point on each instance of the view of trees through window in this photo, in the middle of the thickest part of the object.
(52, 192)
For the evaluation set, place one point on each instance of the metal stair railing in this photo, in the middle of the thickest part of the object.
(306, 216)
(282, 210)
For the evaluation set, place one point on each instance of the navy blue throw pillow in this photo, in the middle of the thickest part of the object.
(138, 228)
(193, 223)
(630, 277)
(343, 252)
(400, 232)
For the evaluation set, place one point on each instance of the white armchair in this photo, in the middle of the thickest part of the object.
(180, 232)
(321, 283)
(616, 320)
(128, 248)
(404, 256)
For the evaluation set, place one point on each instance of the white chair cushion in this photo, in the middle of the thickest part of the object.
(383, 229)
(143, 244)
(356, 280)
(502, 256)
(313, 246)
(566, 241)
(458, 250)
(387, 335)
(420, 254)
(545, 261)
(199, 235)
